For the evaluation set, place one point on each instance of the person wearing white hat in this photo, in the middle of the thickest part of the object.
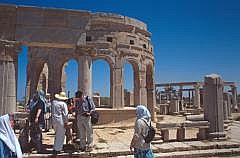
(59, 119)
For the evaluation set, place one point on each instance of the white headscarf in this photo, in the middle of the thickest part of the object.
(8, 136)
(143, 112)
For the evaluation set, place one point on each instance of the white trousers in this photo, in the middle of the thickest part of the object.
(85, 131)
(59, 135)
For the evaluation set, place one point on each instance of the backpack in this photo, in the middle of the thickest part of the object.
(24, 139)
(151, 132)
(94, 114)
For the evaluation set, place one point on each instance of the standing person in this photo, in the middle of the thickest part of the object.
(37, 108)
(47, 115)
(84, 106)
(9, 145)
(141, 149)
(59, 120)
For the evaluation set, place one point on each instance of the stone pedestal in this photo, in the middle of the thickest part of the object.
(202, 134)
(213, 103)
(174, 107)
(8, 77)
(181, 134)
(165, 135)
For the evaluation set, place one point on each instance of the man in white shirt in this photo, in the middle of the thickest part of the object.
(59, 120)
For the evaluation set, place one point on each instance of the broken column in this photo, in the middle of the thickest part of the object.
(8, 76)
(213, 103)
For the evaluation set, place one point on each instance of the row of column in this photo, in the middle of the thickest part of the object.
(85, 80)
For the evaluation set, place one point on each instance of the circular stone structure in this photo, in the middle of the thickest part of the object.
(54, 36)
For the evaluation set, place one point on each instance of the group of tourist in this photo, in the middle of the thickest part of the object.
(38, 108)
(40, 105)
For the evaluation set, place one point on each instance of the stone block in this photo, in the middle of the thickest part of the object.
(180, 134)
(164, 125)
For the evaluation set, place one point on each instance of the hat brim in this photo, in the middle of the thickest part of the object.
(60, 97)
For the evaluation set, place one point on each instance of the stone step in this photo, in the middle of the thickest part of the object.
(157, 137)
(163, 150)
(194, 153)
(199, 153)
(160, 141)
(160, 117)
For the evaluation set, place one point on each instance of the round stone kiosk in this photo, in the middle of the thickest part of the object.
(55, 36)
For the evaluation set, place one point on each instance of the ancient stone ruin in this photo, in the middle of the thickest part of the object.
(207, 106)
(54, 36)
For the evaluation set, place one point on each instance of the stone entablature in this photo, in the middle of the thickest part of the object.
(30, 25)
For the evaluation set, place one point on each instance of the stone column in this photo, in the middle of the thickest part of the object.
(197, 96)
(33, 77)
(213, 102)
(8, 76)
(54, 77)
(117, 84)
(85, 75)
(181, 107)
(64, 78)
(142, 86)
(136, 87)
(227, 101)
(150, 88)
(189, 98)
(234, 98)
(225, 110)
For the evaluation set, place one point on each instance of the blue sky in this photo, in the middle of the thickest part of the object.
(191, 38)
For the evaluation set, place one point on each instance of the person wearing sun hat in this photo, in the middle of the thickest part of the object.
(59, 120)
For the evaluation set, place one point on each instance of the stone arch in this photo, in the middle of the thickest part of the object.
(136, 80)
(109, 61)
(64, 74)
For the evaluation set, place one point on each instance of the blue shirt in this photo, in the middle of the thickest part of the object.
(39, 105)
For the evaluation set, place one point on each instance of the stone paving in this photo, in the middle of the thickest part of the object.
(113, 141)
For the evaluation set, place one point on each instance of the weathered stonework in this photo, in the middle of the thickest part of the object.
(55, 36)
(8, 76)
(213, 102)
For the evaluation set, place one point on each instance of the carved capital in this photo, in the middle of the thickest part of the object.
(9, 50)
